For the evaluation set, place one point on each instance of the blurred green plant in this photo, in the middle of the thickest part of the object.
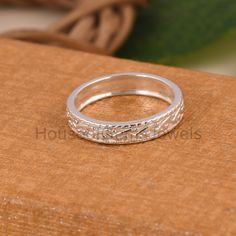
(176, 32)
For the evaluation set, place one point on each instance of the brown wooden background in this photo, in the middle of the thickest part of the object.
(181, 184)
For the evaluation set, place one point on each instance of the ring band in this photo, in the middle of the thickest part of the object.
(133, 131)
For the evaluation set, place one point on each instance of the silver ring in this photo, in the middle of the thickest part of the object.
(133, 131)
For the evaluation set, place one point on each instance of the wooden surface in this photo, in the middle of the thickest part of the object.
(181, 184)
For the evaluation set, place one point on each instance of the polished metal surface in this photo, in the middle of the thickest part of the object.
(132, 131)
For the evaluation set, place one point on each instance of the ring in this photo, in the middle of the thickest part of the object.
(133, 131)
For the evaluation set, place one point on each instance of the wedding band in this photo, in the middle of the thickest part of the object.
(133, 131)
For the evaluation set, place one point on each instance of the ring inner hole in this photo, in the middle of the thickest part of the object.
(123, 108)
(141, 97)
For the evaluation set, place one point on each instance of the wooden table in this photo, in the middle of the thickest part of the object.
(54, 183)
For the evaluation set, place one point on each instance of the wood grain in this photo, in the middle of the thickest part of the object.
(54, 183)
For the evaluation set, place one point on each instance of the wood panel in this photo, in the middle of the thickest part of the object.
(54, 183)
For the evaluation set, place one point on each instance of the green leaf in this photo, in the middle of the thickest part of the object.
(176, 32)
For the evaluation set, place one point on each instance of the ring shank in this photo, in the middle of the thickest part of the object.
(133, 131)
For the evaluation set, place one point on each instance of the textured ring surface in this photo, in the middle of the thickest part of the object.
(132, 131)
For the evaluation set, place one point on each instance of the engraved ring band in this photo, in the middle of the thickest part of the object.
(125, 132)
